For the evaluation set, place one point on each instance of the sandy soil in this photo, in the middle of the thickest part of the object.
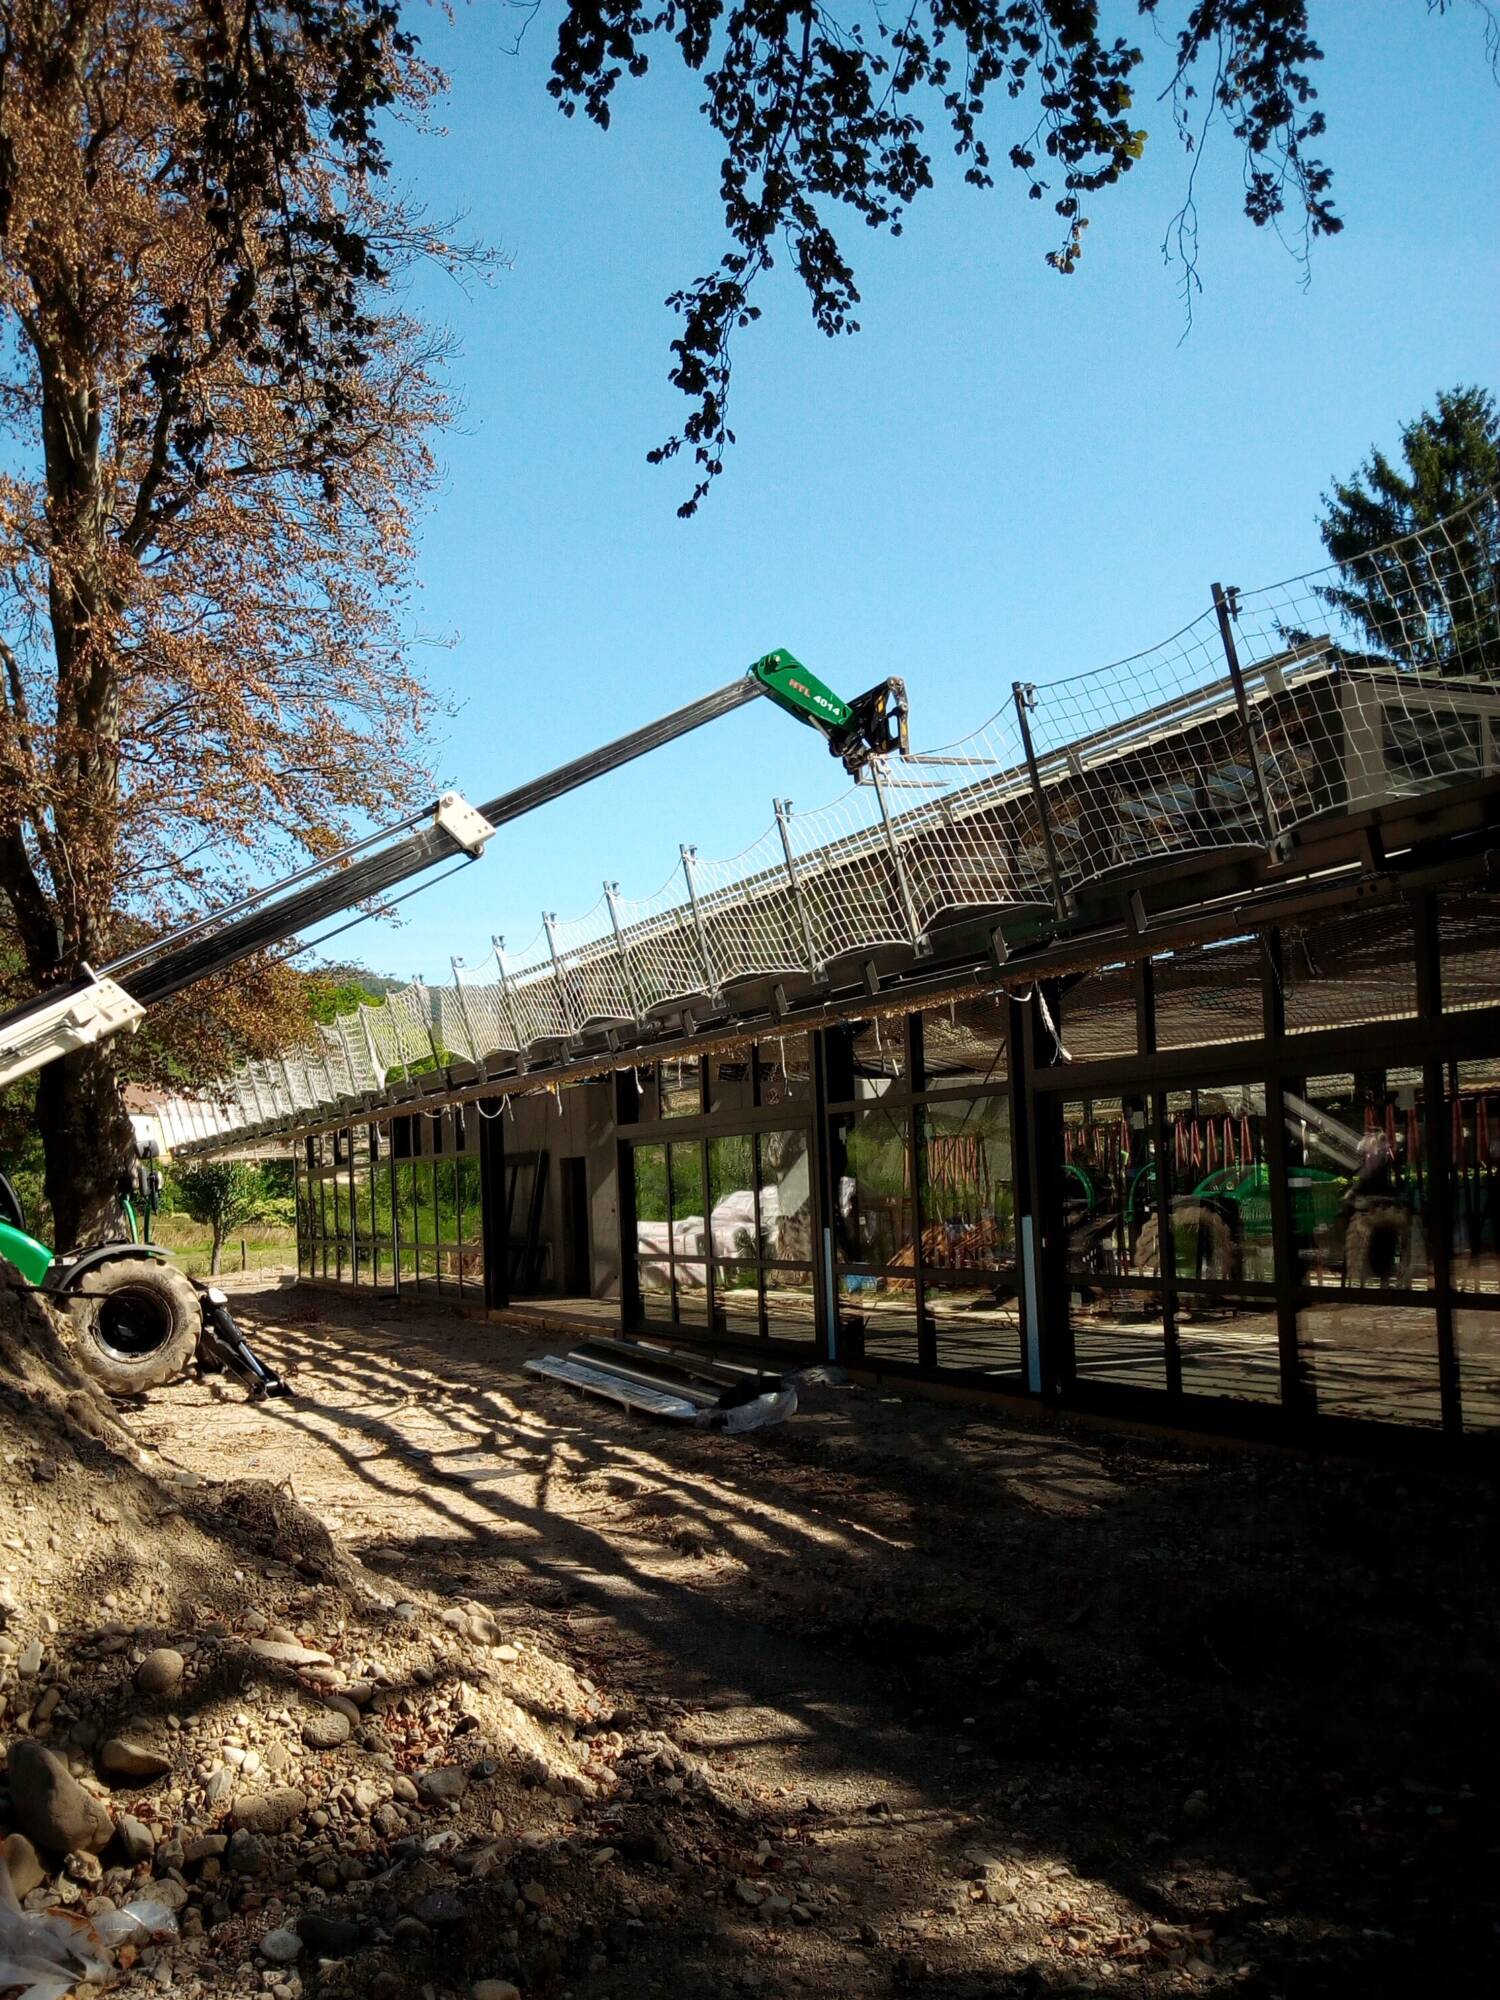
(980, 1706)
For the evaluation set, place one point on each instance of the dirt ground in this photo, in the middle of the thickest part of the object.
(958, 1705)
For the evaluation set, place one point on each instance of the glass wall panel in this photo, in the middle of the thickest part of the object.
(879, 1314)
(1119, 1337)
(1372, 1360)
(1209, 995)
(653, 1229)
(1476, 1335)
(731, 1082)
(731, 1194)
(1229, 1347)
(875, 1210)
(976, 1323)
(964, 1043)
(1358, 1186)
(1473, 1113)
(1220, 1187)
(968, 1203)
(471, 1224)
(785, 1177)
(1108, 1184)
(679, 1088)
(791, 1312)
(1098, 1015)
(879, 1051)
(737, 1301)
(784, 1070)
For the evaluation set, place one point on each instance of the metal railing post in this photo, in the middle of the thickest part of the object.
(920, 942)
(784, 828)
(432, 1040)
(1224, 610)
(455, 966)
(611, 896)
(377, 1067)
(506, 1003)
(549, 921)
(1024, 696)
(689, 856)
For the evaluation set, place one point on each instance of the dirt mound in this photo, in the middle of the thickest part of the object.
(308, 1783)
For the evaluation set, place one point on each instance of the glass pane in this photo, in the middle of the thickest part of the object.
(471, 1225)
(968, 1205)
(1220, 1187)
(1355, 968)
(736, 1301)
(1358, 1192)
(786, 1194)
(1474, 1187)
(685, 1176)
(790, 1310)
(880, 1314)
(875, 1205)
(1229, 1348)
(1477, 1338)
(1469, 926)
(1108, 1185)
(1372, 1360)
(731, 1193)
(965, 1042)
(879, 1055)
(731, 1083)
(1119, 1337)
(785, 1070)
(679, 1090)
(1209, 995)
(977, 1324)
(1098, 1015)
(653, 1229)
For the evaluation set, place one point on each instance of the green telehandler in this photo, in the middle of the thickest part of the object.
(138, 1320)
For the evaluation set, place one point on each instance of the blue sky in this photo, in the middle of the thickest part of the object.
(1006, 475)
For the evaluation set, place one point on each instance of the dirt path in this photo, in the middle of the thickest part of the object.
(984, 1707)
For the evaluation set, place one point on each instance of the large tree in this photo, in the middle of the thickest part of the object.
(218, 421)
(1430, 605)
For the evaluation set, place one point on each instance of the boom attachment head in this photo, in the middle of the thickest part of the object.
(872, 725)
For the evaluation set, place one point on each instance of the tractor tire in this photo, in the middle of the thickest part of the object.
(1377, 1245)
(1215, 1242)
(136, 1325)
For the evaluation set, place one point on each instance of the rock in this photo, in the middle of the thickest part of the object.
(20, 1857)
(330, 1937)
(327, 1730)
(270, 1811)
(166, 1890)
(439, 1786)
(122, 1758)
(405, 1790)
(439, 1909)
(53, 1808)
(279, 1653)
(218, 1784)
(44, 1471)
(410, 1931)
(281, 1947)
(246, 1853)
(137, 1839)
(160, 1671)
(494, 1989)
(207, 1847)
(30, 1662)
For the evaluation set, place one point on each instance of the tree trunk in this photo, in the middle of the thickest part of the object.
(216, 1259)
(88, 1147)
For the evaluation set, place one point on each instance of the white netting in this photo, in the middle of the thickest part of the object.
(1369, 681)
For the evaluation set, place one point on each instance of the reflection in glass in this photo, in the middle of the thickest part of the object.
(790, 1307)
(731, 1193)
(784, 1070)
(1357, 1182)
(1476, 1336)
(737, 1301)
(880, 1314)
(874, 1199)
(685, 1180)
(968, 1205)
(1229, 1348)
(1372, 1360)
(964, 1042)
(1473, 1112)
(977, 1324)
(1108, 1183)
(653, 1227)
(785, 1195)
(1119, 1337)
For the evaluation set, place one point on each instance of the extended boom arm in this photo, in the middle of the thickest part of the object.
(101, 1004)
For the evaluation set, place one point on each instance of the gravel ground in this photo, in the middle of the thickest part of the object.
(902, 1697)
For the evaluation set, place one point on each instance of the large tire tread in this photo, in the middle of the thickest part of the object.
(123, 1375)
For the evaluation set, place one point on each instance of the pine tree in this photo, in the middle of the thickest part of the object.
(1434, 609)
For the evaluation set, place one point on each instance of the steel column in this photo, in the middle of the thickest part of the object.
(1223, 609)
(783, 827)
(1024, 697)
(689, 856)
(612, 897)
(920, 942)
